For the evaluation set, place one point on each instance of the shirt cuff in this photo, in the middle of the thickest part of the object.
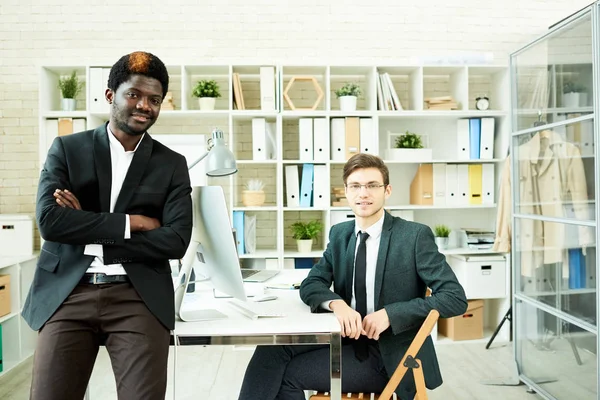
(127, 227)
(326, 304)
(95, 250)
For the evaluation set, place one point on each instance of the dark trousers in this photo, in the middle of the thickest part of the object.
(109, 314)
(284, 372)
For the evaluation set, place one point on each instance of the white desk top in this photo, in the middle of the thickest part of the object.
(298, 320)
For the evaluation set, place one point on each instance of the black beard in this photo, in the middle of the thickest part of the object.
(127, 129)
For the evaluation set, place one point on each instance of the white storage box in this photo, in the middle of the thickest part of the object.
(16, 235)
(482, 276)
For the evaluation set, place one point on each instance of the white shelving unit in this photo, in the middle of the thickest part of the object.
(18, 340)
(413, 85)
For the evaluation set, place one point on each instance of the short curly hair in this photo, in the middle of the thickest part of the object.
(138, 63)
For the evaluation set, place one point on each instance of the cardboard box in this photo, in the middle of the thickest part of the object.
(16, 235)
(482, 276)
(468, 326)
(4, 295)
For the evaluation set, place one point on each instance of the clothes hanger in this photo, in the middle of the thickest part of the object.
(544, 134)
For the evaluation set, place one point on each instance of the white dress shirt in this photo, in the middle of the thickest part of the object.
(372, 244)
(120, 161)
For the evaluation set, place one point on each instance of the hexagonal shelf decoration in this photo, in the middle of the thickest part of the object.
(303, 78)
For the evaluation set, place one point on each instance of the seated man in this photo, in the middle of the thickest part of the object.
(380, 267)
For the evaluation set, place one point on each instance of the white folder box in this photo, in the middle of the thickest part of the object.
(320, 140)
(306, 139)
(367, 136)
(320, 187)
(452, 185)
(486, 144)
(292, 186)
(97, 86)
(338, 139)
(341, 216)
(439, 184)
(462, 140)
(259, 139)
(488, 185)
(267, 88)
(463, 184)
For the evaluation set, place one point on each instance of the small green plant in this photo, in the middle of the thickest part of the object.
(349, 89)
(206, 88)
(572, 87)
(70, 86)
(306, 230)
(409, 141)
(441, 231)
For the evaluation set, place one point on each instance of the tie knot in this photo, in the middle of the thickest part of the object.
(363, 236)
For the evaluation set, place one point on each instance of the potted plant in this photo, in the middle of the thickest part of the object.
(574, 95)
(408, 147)
(254, 195)
(348, 94)
(207, 92)
(304, 233)
(441, 233)
(69, 88)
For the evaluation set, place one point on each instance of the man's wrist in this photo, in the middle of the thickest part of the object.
(336, 303)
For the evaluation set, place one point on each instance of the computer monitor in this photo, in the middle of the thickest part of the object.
(212, 253)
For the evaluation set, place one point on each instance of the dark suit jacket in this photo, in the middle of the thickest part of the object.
(157, 185)
(407, 263)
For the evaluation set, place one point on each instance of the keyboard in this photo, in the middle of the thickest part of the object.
(247, 273)
(254, 311)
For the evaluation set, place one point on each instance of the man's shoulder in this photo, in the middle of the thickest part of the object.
(406, 225)
(160, 148)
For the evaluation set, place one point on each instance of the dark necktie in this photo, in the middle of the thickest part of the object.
(360, 275)
(361, 349)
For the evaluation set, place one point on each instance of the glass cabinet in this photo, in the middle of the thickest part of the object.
(553, 175)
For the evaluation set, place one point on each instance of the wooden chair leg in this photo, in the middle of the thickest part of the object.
(420, 381)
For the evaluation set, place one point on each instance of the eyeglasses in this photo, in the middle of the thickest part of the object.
(355, 187)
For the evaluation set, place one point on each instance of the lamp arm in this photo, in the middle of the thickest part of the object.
(202, 157)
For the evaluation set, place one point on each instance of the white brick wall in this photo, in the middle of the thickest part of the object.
(233, 31)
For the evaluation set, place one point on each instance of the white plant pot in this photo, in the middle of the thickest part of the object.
(207, 103)
(442, 242)
(410, 155)
(570, 100)
(68, 104)
(583, 100)
(348, 103)
(304, 246)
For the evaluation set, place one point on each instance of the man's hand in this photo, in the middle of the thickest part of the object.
(66, 199)
(375, 323)
(141, 223)
(349, 319)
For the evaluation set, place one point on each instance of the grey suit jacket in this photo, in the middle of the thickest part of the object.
(407, 263)
(157, 185)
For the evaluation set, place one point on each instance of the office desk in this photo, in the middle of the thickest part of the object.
(299, 326)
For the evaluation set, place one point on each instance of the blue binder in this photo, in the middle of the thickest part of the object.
(577, 273)
(474, 138)
(306, 187)
(238, 225)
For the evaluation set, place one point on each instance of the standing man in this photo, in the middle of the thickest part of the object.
(113, 206)
(380, 267)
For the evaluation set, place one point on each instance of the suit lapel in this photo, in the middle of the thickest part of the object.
(350, 250)
(103, 166)
(135, 173)
(384, 243)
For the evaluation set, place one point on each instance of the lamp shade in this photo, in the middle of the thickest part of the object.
(221, 161)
